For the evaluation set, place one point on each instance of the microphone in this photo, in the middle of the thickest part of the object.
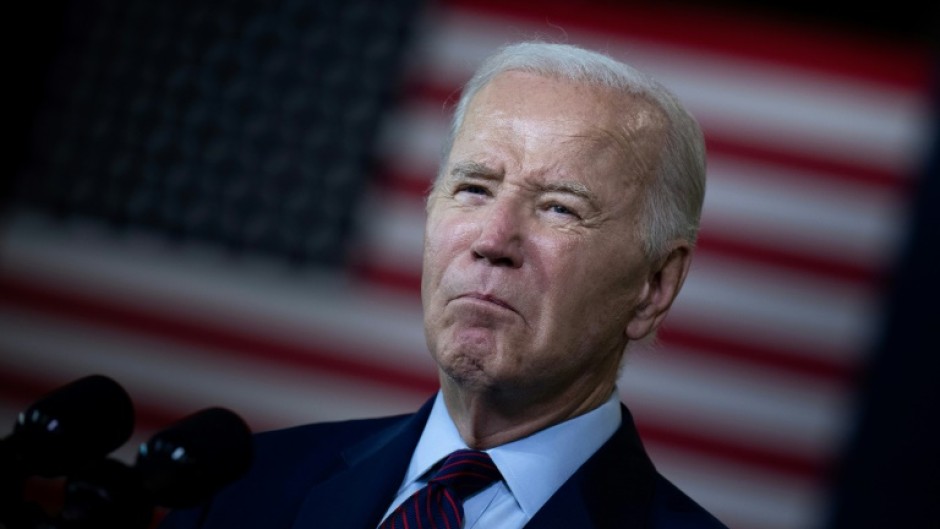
(186, 463)
(80, 422)
(72, 430)
(62, 432)
(180, 466)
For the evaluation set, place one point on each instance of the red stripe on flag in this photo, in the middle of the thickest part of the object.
(737, 453)
(848, 271)
(22, 293)
(799, 44)
(764, 355)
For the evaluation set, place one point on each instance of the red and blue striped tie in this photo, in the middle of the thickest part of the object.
(439, 505)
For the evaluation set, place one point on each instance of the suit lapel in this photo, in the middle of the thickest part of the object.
(357, 496)
(614, 488)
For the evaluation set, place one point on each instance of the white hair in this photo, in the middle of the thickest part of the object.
(673, 197)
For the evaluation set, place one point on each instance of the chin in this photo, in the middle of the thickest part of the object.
(468, 366)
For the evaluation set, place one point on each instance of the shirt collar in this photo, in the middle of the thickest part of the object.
(530, 466)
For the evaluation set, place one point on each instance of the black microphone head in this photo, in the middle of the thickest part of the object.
(186, 463)
(75, 424)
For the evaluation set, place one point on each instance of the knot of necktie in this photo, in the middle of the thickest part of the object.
(465, 472)
(439, 504)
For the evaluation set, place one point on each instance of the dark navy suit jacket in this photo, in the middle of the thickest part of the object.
(344, 475)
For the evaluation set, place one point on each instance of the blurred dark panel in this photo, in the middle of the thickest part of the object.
(39, 29)
(248, 124)
(890, 473)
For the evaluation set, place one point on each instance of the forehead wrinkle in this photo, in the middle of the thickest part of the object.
(600, 145)
(642, 136)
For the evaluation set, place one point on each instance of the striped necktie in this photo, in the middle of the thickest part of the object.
(439, 504)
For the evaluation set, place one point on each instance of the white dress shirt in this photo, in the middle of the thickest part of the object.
(531, 467)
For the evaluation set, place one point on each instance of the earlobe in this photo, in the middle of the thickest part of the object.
(663, 285)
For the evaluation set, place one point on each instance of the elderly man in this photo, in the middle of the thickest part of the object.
(559, 230)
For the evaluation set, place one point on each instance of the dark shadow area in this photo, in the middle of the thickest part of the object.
(890, 471)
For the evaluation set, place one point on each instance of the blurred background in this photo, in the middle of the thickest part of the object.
(221, 204)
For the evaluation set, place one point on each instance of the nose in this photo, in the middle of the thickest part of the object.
(500, 236)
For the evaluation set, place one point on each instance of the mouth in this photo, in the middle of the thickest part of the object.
(487, 298)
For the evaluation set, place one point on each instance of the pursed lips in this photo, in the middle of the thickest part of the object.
(488, 299)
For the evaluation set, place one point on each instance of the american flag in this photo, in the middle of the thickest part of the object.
(815, 138)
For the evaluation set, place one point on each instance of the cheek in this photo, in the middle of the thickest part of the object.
(588, 285)
(444, 240)
(555, 262)
(445, 235)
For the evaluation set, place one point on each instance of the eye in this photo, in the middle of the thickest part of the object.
(560, 209)
(472, 189)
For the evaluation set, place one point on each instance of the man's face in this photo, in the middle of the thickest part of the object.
(533, 262)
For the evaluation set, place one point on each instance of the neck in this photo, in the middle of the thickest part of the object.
(486, 419)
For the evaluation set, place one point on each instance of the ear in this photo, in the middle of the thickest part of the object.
(663, 284)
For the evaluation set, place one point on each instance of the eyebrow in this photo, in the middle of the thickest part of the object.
(571, 188)
(473, 170)
(468, 170)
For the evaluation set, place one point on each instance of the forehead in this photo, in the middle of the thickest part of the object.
(561, 120)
